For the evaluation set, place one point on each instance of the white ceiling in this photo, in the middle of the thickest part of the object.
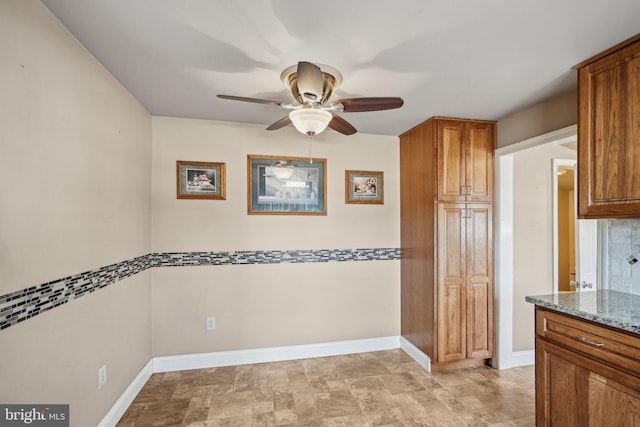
(480, 59)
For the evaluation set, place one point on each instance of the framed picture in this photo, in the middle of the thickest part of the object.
(286, 185)
(201, 180)
(364, 187)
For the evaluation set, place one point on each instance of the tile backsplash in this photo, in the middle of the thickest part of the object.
(623, 236)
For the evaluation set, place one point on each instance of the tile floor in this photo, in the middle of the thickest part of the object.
(385, 388)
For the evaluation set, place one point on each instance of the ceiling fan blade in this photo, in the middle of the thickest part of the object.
(355, 105)
(341, 125)
(256, 100)
(285, 121)
(310, 82)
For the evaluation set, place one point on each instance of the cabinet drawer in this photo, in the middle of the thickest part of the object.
(618, 348)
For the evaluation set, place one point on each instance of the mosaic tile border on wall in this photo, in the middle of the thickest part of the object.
(179, 259)
(16, 307)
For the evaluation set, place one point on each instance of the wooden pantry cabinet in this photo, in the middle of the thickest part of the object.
(609, 133)
(446, 181)
(586, 374)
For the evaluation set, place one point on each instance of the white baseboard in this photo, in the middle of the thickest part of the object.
(273, 354)
(415, 353)
(122, 404)
(523, 358)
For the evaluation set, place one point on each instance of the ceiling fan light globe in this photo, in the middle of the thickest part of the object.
(310, 121)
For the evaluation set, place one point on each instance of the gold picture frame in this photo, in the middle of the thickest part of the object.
(201, 180)
(364, 187)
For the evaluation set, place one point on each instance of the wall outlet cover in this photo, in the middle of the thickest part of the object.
(211, 323)
(102, 376)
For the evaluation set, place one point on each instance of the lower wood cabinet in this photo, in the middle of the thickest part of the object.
(465, 297)
(576, 387)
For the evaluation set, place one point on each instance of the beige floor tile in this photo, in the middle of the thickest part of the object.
(262, 406)
(231, 405)
(378, 389)
(285, 417)
(305, 407)
(337, 403)
(264, 419)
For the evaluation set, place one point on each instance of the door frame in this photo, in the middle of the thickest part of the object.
(504, 356)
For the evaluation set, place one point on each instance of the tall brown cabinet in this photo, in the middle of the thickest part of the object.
(446, 203)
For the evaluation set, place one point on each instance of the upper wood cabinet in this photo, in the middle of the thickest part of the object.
(609, 133)
(465, 160)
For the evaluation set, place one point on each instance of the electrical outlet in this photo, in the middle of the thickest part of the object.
(102, 376)
(211, 323)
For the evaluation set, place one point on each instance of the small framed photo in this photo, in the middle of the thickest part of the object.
(280, 185)
(201, 180)
(365, 187)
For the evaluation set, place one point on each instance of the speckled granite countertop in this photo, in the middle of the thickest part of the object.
(617, 309)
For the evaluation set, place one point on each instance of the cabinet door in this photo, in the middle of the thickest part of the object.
(480, 142)
(479, 283)
(465, 161)
(560, 388)
(451, 283)
(451, 160)
(572, 390)
(609, 135)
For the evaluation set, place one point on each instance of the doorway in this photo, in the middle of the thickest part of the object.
(511, 284)
(575, 241)
(564, 225)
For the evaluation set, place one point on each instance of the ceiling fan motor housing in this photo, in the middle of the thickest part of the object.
(331, 79)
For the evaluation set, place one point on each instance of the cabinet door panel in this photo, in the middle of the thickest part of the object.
(451, 342)
(573, 390)
(609, 120)
(479, 282)
(451, 161)
(451, 283)
(611, 404)
(479, 325)
(479, 161)
(563, 399)
(561, 388)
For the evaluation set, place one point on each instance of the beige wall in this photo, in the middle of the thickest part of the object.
(552, 114)
(75, 182)
(270, 305)
(259, 306)
(532, 234)
(193, 225)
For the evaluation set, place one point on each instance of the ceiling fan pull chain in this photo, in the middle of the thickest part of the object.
(310, 156)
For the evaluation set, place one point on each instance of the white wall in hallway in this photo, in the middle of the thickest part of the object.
(532, 234)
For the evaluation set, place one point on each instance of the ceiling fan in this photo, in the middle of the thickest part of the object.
(311, 86)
